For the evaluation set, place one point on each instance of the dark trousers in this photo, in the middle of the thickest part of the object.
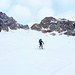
(41, 46)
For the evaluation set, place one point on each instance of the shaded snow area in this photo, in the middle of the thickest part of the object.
(20, 54)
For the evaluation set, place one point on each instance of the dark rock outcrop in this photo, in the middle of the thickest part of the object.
(36, 27)
(26, 27)
(9, 22)
(46, 22)
(49, 24)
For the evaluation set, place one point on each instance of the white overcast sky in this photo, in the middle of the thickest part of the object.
(29, 11)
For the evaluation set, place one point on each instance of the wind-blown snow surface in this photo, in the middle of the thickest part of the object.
(19, 54)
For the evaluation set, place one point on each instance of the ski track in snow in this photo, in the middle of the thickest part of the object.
(20, 55)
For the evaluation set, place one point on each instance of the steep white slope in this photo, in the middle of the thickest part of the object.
(19, 54)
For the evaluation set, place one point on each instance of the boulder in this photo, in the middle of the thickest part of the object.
(53, 34)
(44, 31)
(36, 27)
(46, 22)
(13, 27)
(52, 27)
(26, 27)
(49, 30)
(73, 33)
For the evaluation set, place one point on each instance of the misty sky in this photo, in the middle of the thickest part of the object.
(31, 11)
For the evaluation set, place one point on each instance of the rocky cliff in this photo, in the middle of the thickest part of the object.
(49, 24)
(9, 22)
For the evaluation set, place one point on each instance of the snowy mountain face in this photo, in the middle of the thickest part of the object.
(20, 53)
(48, 24)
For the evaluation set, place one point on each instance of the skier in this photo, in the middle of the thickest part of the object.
(40, 43)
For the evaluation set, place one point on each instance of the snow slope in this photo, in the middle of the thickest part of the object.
(19, 54)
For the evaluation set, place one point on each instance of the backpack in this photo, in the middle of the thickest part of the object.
(40, 40)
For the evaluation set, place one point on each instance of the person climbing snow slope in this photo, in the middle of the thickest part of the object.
(41, 43)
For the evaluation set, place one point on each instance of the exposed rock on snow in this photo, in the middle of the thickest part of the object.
(9, 22)
(36, 27)
(49, 24)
